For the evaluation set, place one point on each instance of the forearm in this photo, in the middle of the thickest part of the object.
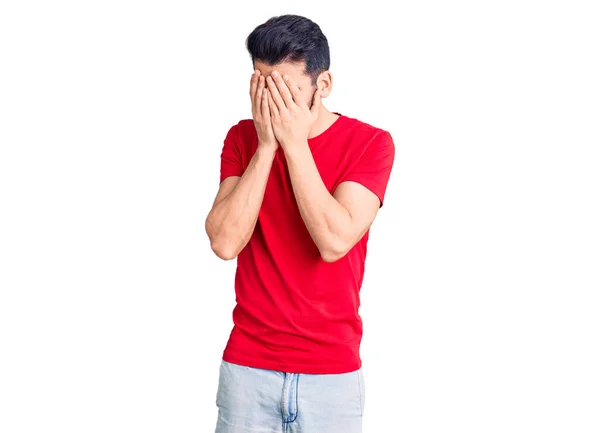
(232, 220)
(327, 221)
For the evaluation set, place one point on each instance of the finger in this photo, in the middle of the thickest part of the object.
(253, 84)
(284, 90)
(264, 105)
(272, 105)
(274, 92)
(258, 104)
(259, 91)
(294, 90)
(253, 91)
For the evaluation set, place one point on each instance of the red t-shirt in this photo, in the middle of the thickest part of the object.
(295, 312)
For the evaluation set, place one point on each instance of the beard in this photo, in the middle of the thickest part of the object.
(310, 103)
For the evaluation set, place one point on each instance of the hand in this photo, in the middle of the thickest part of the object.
(261, 114)
(290, 116)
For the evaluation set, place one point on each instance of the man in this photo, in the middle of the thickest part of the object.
(300, 188)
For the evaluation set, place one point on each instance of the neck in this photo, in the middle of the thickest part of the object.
(324, 121)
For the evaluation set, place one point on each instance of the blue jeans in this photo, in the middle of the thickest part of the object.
(254, 400)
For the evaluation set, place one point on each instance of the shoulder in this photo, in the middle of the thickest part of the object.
(367, 135)
(244, 128)
(242, 133)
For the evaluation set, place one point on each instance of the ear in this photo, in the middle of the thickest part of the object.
(325, 84)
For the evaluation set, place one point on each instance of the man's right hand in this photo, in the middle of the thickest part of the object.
(261, 113)
(232, 219)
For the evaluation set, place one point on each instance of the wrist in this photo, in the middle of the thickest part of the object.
(295, 147)
(264, 151)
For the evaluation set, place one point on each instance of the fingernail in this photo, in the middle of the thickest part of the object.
(285, 77)
(275, 73)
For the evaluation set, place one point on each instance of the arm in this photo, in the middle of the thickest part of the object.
(232, 219)
(335, 222)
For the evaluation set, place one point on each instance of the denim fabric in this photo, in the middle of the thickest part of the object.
(255, 400)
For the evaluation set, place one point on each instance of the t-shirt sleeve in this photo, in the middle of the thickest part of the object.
(231, 160)
(373, 168)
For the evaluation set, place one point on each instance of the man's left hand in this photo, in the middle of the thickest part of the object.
(290, 116)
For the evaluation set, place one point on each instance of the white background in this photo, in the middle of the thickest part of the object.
(481, 296)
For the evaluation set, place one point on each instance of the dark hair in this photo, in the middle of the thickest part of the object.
(290, 38)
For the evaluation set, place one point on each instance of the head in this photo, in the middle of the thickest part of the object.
(293, 45)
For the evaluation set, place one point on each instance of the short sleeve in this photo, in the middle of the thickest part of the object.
(231, 160)
(373, 168)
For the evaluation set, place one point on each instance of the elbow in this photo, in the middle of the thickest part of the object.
(223, 250)
(333, 252)
(329, 257)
